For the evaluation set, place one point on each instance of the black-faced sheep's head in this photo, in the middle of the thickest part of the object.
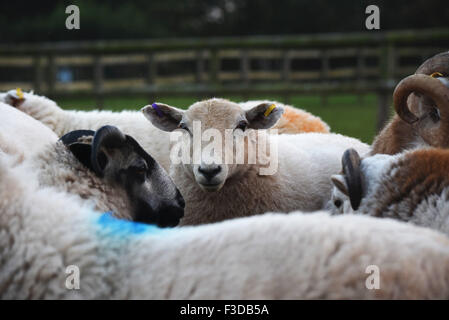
(221, 124)
(120, 160)
(358, 182)
(392, 185)
(422, 100)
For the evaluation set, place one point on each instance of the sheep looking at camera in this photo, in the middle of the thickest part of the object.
(223, 188)
(305, 257)
(411, 186)
(422, 107)
(153, 141)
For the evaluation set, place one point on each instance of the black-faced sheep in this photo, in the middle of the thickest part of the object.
(412, 186)
(106, 167)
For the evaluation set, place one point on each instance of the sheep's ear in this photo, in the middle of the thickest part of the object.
(264, 116)
(340, 183)
(82, 152)
(163, 116)
(14, 97)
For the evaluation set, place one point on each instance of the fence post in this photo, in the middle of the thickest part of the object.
(387, 65)
(286, 65)
(199, 66)
(98, 81)
(151, 67)
(38, 73)
(214, 66)
(285, 72)
(324, 73)
(244, 66)
(360, 74)
(51, 74)
(151, 74)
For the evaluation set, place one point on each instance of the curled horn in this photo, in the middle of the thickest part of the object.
(108, 137)
(351, 169)
(73, 136)
(425, 85)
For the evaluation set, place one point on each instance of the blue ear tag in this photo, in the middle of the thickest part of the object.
(158, 111)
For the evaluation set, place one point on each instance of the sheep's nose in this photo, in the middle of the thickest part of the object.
(170, 215)
(180, 200)
(209, 172)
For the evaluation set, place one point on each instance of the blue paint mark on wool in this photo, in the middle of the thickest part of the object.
(123, 227)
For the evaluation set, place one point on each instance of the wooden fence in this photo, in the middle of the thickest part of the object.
(324, 64)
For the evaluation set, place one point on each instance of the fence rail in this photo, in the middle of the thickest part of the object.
(356, 63)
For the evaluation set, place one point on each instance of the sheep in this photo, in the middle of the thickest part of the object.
(300, 165)
(421, 104)
(411, 186)
(154, 141)
(47, 246)
(293, 120)
(106, 167)
(20, 135)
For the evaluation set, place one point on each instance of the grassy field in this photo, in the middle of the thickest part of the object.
(346, 114)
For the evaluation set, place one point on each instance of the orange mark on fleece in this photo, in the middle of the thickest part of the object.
(298, 121)
(426, 163)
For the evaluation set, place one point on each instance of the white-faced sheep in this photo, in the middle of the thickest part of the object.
(152, 140)
(410, 186)
(105, 167)
(305, 257)
(224, 188)
(421, 104)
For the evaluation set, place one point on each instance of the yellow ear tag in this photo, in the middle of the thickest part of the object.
(19, 93)
(436, 74)
(269, 110)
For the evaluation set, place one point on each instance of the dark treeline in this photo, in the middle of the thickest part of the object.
(26, 21)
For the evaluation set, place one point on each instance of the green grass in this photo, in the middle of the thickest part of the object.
(346, 114)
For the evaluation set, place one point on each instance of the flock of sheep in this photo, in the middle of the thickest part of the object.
(96, 189)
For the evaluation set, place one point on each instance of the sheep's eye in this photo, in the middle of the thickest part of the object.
(337, 203)
(242, 125)
(435, 114)
(140, 170)
(183, 126)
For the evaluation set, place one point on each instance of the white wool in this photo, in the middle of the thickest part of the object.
(35, 149)
(22, 135)
(301, 182)
(273, 256)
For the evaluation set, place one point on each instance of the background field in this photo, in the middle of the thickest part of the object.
(346, 114)
(124, 55)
